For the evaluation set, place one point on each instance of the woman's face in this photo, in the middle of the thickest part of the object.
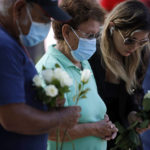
(127, 45)
(89, 29)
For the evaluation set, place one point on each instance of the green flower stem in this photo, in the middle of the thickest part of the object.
(80, 90)
(57, 139)
(61, 148)
(73, 146)
(66, 133)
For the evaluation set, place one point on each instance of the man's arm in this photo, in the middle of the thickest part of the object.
(23, 119)
(104, 129)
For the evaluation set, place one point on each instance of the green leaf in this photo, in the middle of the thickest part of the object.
(79, 86)
(43, 68)
(124, 144)
(87, 89)
(83, 96)
(56, 83)
(134, 138)
(120, 127)
(52, 103)
(146, 104)
(57, 65)
(119, 138)
(82, 93)
(133, 125)
(74, 98)
(63, 90)
(144, 124)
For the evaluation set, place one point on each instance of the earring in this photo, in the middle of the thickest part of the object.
(112, 30)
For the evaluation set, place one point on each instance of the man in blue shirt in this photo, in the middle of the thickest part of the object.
(24, 121)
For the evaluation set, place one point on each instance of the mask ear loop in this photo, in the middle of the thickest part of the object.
(20, 31)
(75, 32)
(29, 14)
(68, 44)
(67, 41)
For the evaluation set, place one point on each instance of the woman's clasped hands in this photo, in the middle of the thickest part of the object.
(105, 129)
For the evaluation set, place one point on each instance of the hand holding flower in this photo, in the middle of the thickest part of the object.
(132, 117)
(139, 122)
(68, 116)
(60, 102)
(51, 85)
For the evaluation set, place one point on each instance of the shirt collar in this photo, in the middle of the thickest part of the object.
(62, 58)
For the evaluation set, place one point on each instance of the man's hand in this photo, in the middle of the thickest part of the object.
(68, 116)
(60, 102)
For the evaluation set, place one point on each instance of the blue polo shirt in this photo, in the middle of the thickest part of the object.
(16, 74)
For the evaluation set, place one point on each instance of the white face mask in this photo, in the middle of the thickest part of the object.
(38, 32)
(86, 48)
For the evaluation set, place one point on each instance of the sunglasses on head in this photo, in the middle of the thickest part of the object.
(132, 41)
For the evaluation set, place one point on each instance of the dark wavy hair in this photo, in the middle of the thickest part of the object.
(81, 11)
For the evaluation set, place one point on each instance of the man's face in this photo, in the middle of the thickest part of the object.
(32, 12)
(38, 15)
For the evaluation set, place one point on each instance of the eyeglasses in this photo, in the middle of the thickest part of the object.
(131, 41)
(89, 35)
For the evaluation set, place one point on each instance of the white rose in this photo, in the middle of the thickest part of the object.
(65, 80)
(85, 75)
(48, 75)
(63, 77)
(51, 90)
(147, 95)
(58, 73)
(37, 81)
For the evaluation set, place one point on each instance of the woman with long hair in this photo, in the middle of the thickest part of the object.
(119, 63)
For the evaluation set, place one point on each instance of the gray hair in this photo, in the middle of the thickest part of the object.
(4, 6)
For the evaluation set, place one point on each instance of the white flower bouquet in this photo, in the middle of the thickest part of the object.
(51, 84)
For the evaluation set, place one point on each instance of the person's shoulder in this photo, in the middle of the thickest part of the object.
(53, 57)
(7, 42)
(48, 61)
(5, 37)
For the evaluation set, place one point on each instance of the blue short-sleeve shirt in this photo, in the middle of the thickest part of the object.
(16, 74)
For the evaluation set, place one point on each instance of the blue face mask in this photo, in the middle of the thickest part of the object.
(38, 32)
(86, 48)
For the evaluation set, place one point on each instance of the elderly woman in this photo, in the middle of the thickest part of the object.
(117, 66)
(76, 43)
